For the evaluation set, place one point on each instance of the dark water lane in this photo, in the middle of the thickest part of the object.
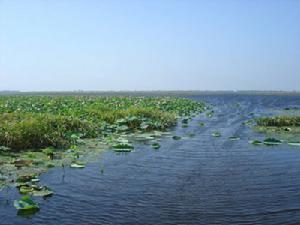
(199, 180)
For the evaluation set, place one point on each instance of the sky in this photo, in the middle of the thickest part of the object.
(65, 45)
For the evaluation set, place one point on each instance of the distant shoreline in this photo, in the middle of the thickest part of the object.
(149, 93)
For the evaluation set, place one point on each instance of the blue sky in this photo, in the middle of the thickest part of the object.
(149, 45)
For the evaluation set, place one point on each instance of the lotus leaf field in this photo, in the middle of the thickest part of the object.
(41, 132)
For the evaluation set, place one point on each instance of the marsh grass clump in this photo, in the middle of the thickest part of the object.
(32, 131)
(279, 121)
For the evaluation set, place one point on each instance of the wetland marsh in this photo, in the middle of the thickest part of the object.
(151, 161)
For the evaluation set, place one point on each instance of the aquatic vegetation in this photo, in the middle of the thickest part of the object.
(234, 138)
(43, 192)
(123, 147)
(256, 142)
(185, 125)
(248, 122)
(41, 132)
(272, 141)
(279, 121)
(155, 145)
(191, 134)
(285, 127)
(293, 143)
(26, 204)
(216, 134)
(210, 114)
(185, 121)
(39, 122)
(77, 164)
(176, 137)
(35, 190)
(201, 124)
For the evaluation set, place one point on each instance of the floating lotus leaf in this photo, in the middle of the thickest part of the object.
(234, 138)
(185, 121)
(144, 137)
(294, 143)
(77, 165)
(26, 204)
(216, 134)
(155, 145)
(25, 189)
(123, 150)
(256, 142)
(176, 137)
(272, 141)
(43, 192)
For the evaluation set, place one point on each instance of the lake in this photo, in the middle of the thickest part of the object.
(197, 180)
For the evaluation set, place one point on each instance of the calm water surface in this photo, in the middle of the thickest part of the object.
(199, 180)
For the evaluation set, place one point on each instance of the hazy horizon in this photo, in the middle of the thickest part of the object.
(149, 45)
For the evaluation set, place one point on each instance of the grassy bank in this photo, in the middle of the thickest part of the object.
(34, 122)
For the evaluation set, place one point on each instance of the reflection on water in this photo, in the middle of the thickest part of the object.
(198, 180)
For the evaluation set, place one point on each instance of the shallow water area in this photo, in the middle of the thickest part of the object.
(199, 179)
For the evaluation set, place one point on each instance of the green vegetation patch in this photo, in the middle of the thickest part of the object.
(40, 121)
(279, 121)
(283, 127)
